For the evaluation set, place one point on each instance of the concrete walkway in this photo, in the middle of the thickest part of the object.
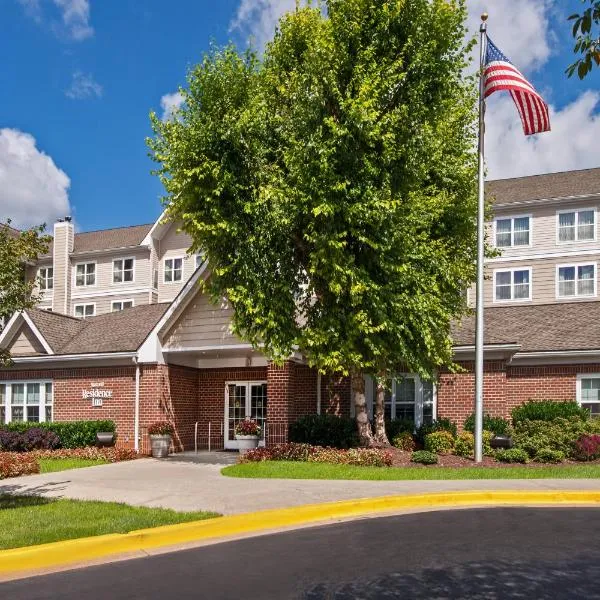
(185, 484)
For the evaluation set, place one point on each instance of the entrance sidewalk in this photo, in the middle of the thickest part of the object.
(184, 484)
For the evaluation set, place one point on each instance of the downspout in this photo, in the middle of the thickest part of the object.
(318, 392)
(136, 417)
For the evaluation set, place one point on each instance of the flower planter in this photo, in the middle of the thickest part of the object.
(247, 442)
(160, 445)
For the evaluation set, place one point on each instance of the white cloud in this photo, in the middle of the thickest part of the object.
(169, 104)
(83, 86)
(258, 18)
(33, 189)
(73, 20)
(571, 144)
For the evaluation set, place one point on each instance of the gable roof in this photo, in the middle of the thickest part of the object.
(584, 182)
(568, 326)
(121, 331)
(11, 231)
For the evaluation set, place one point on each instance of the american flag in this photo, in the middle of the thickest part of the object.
(501, 74)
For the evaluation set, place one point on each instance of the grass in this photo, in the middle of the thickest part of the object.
(51, 465)
(29, 520)
(303, 470)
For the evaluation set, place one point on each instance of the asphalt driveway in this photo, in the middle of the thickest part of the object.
(180, 484)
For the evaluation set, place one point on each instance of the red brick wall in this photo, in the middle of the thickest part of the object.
(336, 395)
(304, 397)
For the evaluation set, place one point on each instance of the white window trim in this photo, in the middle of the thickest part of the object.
(84, 304)
(46, 291)
(512, 270)
(113, 302)
(575, 265)
(232, 444)
(87, 262)
(173, 258)
(581, 376)
(576, 211)
(512, 231)
(42, 404)
(113, 282)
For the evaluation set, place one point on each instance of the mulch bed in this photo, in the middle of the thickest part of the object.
(402, 459)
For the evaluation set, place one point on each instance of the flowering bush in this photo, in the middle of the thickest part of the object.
(161, 428)
(404, 441)
(465, 445)
(440, 442)
(247, 427)
(35, 438)
(368, 457)
(13, 464)
(88, 453)
(587, 447)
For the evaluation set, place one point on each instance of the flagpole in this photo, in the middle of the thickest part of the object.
(480, 252)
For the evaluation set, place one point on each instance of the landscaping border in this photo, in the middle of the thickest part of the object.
(69, 553)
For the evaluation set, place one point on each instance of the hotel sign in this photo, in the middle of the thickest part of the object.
(96, 393)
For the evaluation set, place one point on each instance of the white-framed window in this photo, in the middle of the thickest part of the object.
(575, 225)
(407, 397)
(512, 285)
(84, 310)
(85, 274)
(512, 231)
(574, 281)
(588, 392)
(123, 270)
(173, 270)
(199, 260)
(117, 305)
(46, 278)
(30, 401)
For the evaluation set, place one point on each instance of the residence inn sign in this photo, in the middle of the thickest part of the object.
(97, 393)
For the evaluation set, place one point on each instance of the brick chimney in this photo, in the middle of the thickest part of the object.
(64, 236)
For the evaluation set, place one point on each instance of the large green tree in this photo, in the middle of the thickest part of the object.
(17, 292)
(332, 185)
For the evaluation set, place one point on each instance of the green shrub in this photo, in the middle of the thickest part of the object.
(440, 442)
(496, 425)
(547, 455)
(465, 444)
(72, 434)
(424, 457)
(587, 447)
(404, 441)
(548, 410)
(395, 427)
(325, 430)
(439, 425)
(487, 437)
(512, 455)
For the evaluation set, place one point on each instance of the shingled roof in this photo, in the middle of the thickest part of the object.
(583, 182)
(537, 328)
(120, 331)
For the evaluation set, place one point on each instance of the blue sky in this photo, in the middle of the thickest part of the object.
(84, 74)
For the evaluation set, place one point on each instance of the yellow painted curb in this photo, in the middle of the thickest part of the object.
(44, 556)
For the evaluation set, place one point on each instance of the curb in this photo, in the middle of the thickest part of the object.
(70, 552)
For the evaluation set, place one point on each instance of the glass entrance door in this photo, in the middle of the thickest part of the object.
(244, 400)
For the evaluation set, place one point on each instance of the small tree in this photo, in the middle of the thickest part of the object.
(586, 31)
(17, 248)
(332, 185)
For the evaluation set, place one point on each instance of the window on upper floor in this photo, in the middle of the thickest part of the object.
(573, 281)
(85, 274)
(84, 310)
(576, 225)
(512, 285)
(123, 270)
(46, 278)
(199, 259)
(513, 231)
(173, 270)
(117, 305)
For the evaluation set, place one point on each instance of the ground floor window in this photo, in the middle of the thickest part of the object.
(588, 393)
(407, 397)
(29, 401)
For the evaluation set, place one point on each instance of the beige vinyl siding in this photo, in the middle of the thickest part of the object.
(63, 244)
(174, 244)
(25, 343)
(31, 273)
(543, 279)
(202, 324)
(104, 303)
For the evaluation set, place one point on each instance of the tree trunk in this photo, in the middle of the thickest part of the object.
(380, 434)
(360, 403)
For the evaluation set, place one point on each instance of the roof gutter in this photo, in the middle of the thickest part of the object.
(71, 357)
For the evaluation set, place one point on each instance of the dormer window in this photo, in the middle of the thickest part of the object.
(85, 274)
(173, 270)
(123, 270)
(46, 278)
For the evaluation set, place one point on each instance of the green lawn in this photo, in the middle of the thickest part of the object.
(302, 470)
(29, 520)
(51, 465)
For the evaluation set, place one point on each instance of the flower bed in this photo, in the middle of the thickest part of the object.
(15, 464)
(370, 457)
